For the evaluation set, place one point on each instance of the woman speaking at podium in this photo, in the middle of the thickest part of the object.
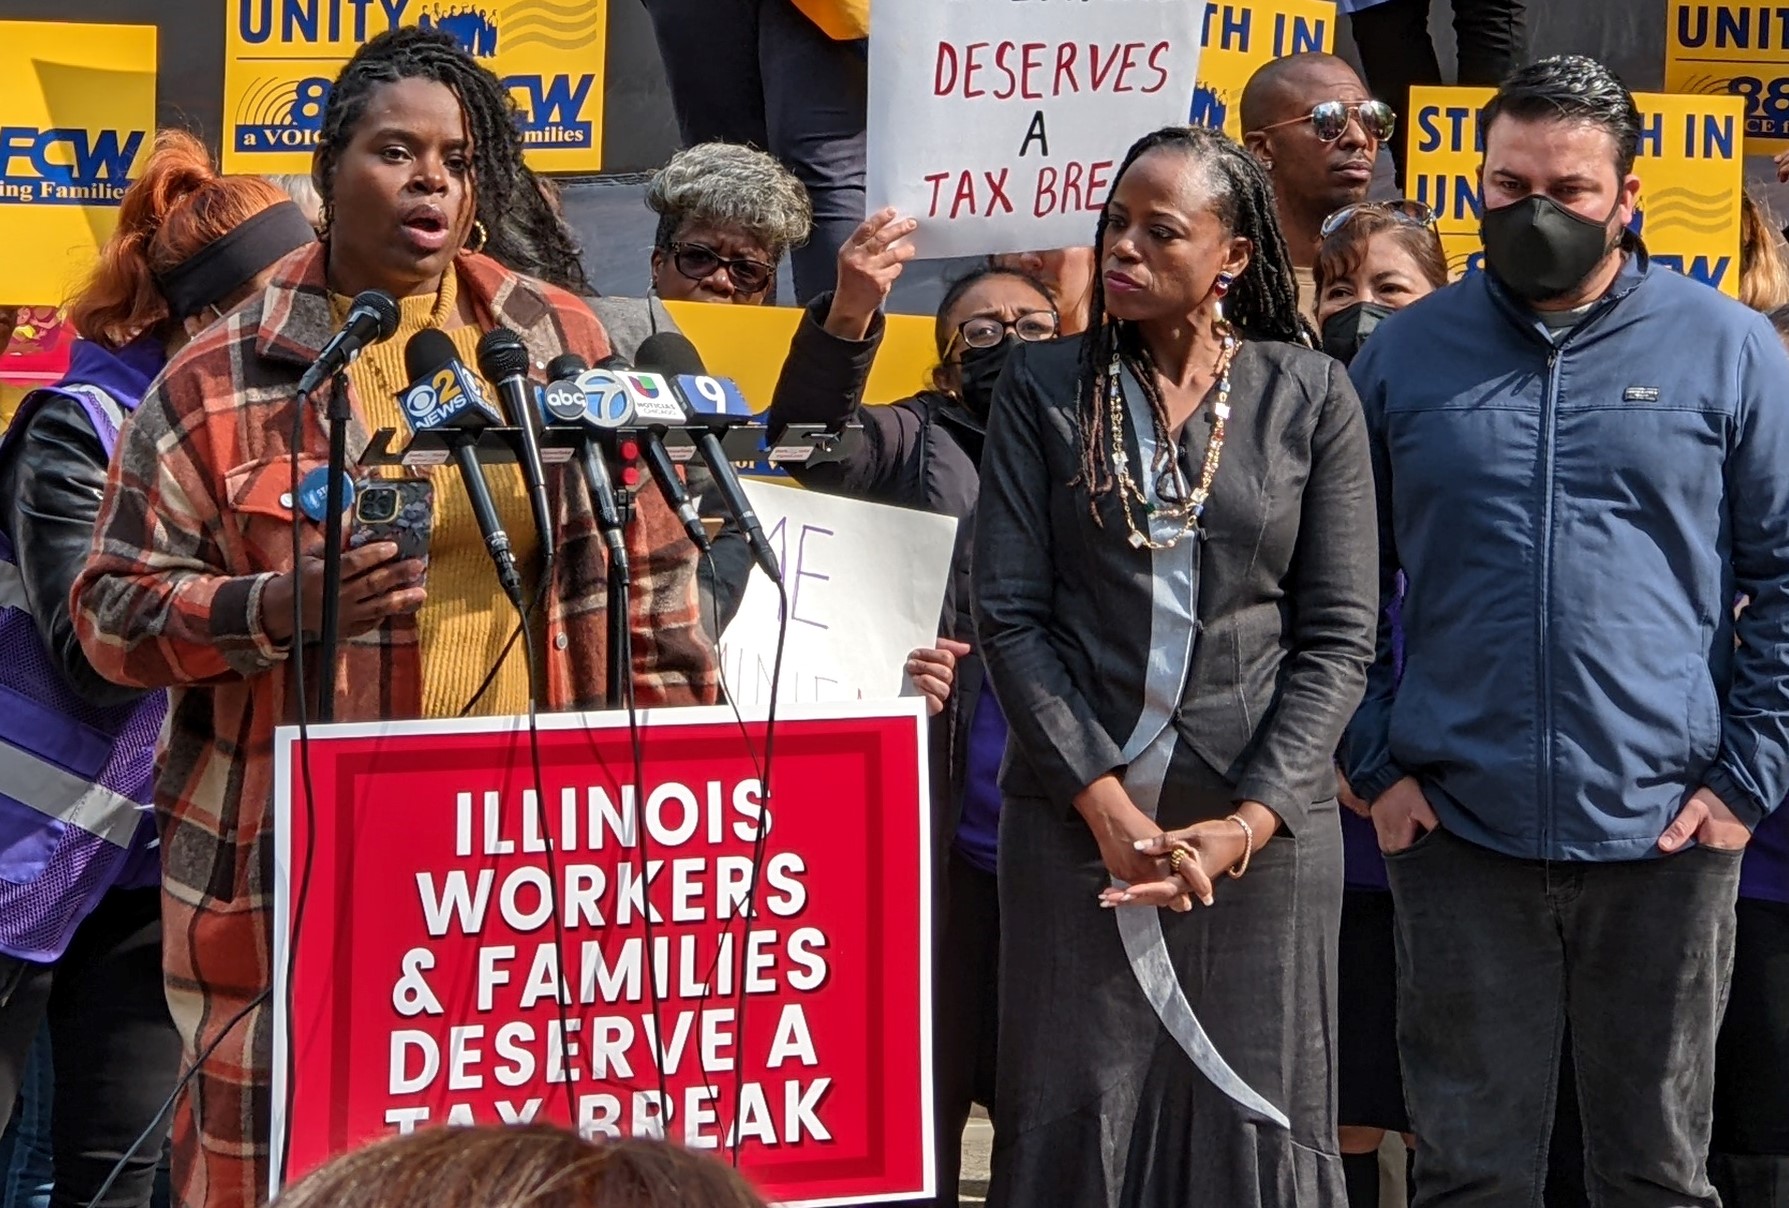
(192, 581)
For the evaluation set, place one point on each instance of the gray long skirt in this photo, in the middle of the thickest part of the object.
(1098, 1106)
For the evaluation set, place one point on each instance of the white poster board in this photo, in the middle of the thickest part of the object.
(999, 124)
(866, 584)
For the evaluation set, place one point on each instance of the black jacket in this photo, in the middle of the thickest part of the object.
(1287, 607)
(51, 481)
(923, 452)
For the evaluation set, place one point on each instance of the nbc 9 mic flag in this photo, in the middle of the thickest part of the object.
(77, 116)
(280, 57)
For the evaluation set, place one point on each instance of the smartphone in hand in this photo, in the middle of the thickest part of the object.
(399, 510)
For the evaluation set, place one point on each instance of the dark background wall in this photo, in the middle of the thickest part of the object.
(638, 132)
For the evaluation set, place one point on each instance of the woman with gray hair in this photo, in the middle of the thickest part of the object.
(727, 216)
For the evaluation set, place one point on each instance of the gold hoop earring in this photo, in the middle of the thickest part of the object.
(483, 235)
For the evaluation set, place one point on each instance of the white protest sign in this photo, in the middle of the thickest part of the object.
(999, 123)
(866, 584)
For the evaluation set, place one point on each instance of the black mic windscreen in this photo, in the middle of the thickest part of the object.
(501, 354)
(565, 367)
(669, 353)
(378, 303)
(427, 351)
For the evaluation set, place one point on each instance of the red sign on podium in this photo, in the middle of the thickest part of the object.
(469, 944)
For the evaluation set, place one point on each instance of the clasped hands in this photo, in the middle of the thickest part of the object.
(1137, 852)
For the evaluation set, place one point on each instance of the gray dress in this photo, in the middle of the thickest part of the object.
(1150, 1059)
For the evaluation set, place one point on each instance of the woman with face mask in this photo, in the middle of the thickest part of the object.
(925, 452)
(1376, 257)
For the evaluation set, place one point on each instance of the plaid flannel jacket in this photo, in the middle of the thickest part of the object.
(197, 519)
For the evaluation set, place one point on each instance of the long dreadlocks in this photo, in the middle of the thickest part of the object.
(1262, 302)
(524, 235)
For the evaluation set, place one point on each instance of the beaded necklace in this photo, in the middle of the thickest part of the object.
(1187, 507)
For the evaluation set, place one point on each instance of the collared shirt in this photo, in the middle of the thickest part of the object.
(197, 521)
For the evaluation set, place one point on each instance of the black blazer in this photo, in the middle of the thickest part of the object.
(1287, 584)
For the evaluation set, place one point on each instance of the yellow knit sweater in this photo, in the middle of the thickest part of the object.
(466, 620)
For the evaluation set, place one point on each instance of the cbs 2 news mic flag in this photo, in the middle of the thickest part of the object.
(451, 397)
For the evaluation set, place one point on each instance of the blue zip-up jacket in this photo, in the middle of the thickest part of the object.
(1574, 521)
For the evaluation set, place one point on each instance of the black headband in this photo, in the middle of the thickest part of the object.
(225, 265)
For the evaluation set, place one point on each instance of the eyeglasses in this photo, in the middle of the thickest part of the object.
(1330, 119)
(985, 331)
(698, 262)
(1404, 210)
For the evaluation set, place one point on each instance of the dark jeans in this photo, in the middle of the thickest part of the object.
(1496, 955)
(759, 72)
(1750, 1159)
(1396, 52)
(114, 1046)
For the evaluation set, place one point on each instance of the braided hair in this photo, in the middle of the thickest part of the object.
(1262, 302)
(523, 234)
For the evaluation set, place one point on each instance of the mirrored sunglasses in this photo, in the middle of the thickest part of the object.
(1329, 119)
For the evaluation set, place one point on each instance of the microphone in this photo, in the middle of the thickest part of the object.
(504, 362)
(712, 406)
(655, 410)
(444, 394)
(372, 318)
(565, 402)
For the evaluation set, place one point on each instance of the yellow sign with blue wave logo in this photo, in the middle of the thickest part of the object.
(280, 57)
(77, 116)
(1734, 50)
(1242, 36)
(1691, 169)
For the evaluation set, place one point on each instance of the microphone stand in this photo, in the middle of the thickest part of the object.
(621, 632)
(339, 414)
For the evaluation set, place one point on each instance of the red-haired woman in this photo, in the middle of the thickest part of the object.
(80, 911)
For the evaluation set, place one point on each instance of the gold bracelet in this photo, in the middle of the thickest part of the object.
(1248, 840)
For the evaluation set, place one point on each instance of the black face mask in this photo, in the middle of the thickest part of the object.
(979, 370)
(1540, 249)
(1345, 331)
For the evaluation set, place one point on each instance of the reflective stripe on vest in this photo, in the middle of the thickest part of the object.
(12, 587)
(62, 795)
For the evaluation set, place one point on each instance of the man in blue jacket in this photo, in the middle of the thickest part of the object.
(1582, 460)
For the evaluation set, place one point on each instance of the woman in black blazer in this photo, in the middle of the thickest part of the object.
(1175, 595)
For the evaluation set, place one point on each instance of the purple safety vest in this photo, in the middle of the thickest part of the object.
(76, 781)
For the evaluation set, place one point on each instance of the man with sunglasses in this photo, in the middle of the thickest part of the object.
(1581, 457)
(1316, 129)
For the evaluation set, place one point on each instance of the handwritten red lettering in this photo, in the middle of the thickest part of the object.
(1161, 73)
(997, 191)
(1033, 63)
(1011, 88)
(971, 65)
(1125, 68)
(943, 85)
(1065, 67)
(935, 179)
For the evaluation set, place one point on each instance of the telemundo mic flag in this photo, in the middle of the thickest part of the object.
(77, 112)
(280, 57)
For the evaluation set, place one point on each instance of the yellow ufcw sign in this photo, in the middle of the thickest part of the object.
(77, 116)
(280, 57)
(1737, 50)
(1242, 36)
(1690, 166)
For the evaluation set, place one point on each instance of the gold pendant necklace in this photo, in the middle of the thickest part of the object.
(1190, 510)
